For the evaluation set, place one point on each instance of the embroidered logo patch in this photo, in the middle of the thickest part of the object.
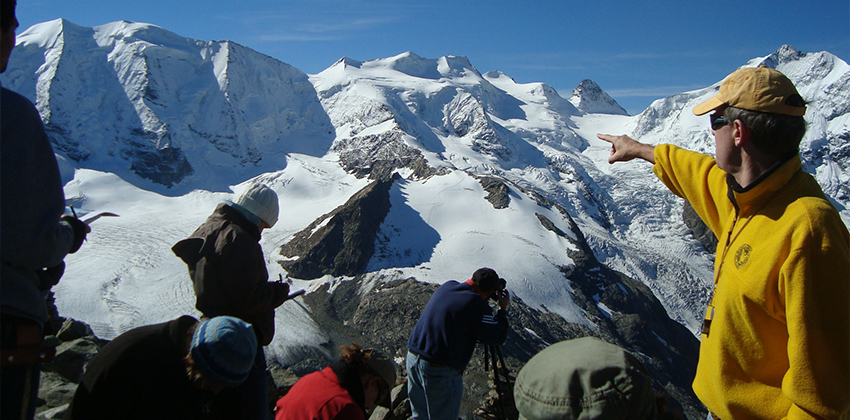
(743, 255)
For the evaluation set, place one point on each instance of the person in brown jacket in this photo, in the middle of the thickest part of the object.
(229, 273)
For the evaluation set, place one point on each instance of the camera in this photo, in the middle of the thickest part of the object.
(500, 289)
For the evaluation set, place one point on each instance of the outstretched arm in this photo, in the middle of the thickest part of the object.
(624, 148)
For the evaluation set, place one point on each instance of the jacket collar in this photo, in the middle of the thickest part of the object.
(766, 185)
(477, 289)
(178, 330)
(232, 215)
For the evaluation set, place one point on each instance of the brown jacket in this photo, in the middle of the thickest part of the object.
(229, 272)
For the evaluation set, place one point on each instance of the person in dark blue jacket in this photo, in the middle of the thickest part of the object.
(35, 237)
(443, 340)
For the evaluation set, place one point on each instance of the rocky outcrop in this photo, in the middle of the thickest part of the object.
(377, 311)
(167, 166)
(378, 155)
(341, 242)
(76, 345)
(497, 191)
(700, 230)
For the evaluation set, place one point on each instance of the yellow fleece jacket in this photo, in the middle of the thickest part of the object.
(779, 339)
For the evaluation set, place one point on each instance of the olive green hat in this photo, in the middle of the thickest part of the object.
(584, 379)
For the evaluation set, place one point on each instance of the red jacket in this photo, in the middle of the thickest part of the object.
(318, 396)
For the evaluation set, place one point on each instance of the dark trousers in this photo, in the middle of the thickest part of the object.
(18, 383)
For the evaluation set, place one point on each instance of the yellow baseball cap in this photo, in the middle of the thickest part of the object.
(757, 89)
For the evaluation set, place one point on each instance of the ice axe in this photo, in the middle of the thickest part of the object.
(294, 294)
(89, 220)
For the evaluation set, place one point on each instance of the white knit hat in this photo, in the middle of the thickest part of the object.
(260, 201)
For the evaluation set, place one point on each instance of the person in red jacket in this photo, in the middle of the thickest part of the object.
(346, 390)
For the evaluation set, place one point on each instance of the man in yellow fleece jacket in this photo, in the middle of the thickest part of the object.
(776, 336)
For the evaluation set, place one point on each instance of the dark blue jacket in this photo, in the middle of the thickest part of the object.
(455, 319)
(31, 203)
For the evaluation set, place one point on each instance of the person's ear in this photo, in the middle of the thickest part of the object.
(740, 133)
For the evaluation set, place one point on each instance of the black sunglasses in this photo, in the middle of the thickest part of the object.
(718, 121)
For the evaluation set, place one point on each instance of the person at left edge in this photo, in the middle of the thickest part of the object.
(228, 269)
(35, 237)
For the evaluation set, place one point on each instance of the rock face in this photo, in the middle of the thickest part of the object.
(701, 232)
(341, 242)
(497, 192)
(76, 345)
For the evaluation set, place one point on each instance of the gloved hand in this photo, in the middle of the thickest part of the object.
(504, 299)
(281, 291)
(49, 277)
(284, 288)
(80, 231)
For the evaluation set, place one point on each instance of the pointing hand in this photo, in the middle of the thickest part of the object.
(624, 149)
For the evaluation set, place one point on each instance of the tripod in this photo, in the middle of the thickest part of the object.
(493, 354)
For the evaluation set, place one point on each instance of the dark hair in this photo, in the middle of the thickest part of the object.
(7, 14)
(350, 367)
(487, 279)
(774, 134)
(353, 354)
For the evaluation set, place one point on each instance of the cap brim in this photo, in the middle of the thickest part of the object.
(708, 106)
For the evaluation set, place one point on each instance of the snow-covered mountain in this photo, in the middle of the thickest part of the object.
(166, 111)
(387, 170)
(588, 97)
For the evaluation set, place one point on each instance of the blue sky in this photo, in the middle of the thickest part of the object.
(637, 51)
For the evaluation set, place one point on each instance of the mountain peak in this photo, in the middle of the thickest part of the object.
(414, 65)
(454, 66)
(46, 33)
(497, 74)
(349, 62)
(589, 98)
(410, 64)
(784, 54)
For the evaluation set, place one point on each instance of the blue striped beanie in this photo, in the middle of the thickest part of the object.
(223, 349)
